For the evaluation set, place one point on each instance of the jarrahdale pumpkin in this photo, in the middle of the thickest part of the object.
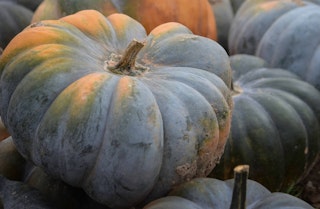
(12, 164)
(285, 33)
(275, 128)
(223, 13)
(236, 193)
(21, 183)
(14, 18)
(17, 195)
(197, 15)
(126, 116)
(29, 4)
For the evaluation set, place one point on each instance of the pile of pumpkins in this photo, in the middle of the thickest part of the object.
(135, 104)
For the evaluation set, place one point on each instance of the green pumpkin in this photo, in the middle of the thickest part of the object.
(17, 195)
(29, 4)
(56, 191)
(275, 128)
(283, 33)
(243, 63)
(223, 12)
(126, 124)
(236, 193)
(12, 164)
(14, 18)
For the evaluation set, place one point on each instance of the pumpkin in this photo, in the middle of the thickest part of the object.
(17, 195)
(15, 168)
(236, 193)
(29, 4)
(196, 15)
(14, 18)
(275, 128)
(243, 63)
(12, 164)
(223, 13)
(3, 131)
(54, 190)
(97, 103)
(268, 29)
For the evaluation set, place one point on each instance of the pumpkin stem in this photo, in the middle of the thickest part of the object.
(235, 89)
(241, 173)
(126, 64)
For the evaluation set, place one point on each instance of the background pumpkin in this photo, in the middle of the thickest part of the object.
(3, 131)
(30, 4)
(12, 164)
(223, 13)
(270, 30)
(24, 174)
(14, 18)
(16, 195)
(243, 63)
(275, 128)
(207, 193)
(163, 118)
(196, 15)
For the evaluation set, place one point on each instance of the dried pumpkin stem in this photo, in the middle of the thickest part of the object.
(241, 173)
(127, 62)
(235, 89)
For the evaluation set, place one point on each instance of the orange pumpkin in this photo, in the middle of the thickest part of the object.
(197, 15)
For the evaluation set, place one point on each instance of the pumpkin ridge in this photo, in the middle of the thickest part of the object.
(302, 114)
(288, 30)
(183, 103)
(45, 116)
(309, 62)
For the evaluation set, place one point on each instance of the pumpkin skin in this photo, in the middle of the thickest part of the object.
(293, 54)
(54, 190)
(223, 13)
(148, 12)
(207, 193)
(3, 131)
(29, 4)
(252, 21)
(15, 168)
(12, 164)
(83, 122)
(14, 18)
(268, 29)
(243, 63)
(275, 121)
(16, 195)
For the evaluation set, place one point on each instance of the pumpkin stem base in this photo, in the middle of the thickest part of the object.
(126, 64)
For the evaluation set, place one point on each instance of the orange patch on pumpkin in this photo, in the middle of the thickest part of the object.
(90, 22)
(124, 88)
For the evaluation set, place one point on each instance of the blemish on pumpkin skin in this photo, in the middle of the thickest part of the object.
(187, 171)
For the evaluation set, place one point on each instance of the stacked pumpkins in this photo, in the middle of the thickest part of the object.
(124, 103)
